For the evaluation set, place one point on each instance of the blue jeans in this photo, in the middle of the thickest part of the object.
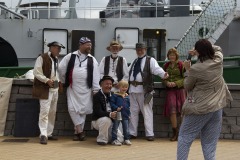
(124, 126)
(208, 126)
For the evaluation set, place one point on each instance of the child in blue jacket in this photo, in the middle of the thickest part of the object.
(120, 102)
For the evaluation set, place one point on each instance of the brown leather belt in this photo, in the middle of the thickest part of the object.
(136, 83)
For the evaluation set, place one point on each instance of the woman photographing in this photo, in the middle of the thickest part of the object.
(206, 97)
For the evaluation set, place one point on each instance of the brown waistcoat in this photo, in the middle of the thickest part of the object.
(40, 89)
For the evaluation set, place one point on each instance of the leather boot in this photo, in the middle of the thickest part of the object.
(175, 134)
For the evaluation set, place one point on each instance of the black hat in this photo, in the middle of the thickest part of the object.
(140, 45)
(55, 43)
(106, 78)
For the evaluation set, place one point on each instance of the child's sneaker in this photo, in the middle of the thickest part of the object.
(116, 143)
(127, 142)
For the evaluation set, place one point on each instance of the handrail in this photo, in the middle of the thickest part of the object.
(121, 9)
(16, 14)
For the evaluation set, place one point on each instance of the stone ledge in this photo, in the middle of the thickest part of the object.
(22, 82)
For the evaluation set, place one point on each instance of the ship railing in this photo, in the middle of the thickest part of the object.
(158, 10)
(209, 24)
(33, 14)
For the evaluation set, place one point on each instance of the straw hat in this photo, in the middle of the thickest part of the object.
(115, 43)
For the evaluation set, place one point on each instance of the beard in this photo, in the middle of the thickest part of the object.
(87, 51)
(114, 55)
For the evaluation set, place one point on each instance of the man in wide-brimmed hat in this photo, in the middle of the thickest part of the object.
(114, 65)
(45, 88)
(141, 88)
(80, 72)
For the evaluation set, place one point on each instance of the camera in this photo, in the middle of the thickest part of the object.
(189, 57)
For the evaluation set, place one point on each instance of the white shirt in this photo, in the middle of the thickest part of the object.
(154, 68)
(80, 80)
(112, 69)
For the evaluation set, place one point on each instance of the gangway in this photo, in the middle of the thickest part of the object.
(209, 24)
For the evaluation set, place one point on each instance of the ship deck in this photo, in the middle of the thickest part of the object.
(65, 148)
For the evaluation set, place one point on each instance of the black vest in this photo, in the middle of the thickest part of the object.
(89, 70)
(147, 76)
(119, 68)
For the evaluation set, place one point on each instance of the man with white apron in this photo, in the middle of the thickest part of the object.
(81, 74)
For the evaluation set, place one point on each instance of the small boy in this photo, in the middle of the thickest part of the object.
(120, 102)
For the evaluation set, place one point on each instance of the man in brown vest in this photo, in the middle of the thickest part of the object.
(45, 88)
(114, 65)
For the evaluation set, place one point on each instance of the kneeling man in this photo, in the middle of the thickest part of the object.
(102, 115)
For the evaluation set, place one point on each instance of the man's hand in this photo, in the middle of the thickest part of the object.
(113, 114)
(116, 85)
(165, 75)
(50, 83)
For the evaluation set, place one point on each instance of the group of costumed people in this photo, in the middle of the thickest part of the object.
(112, 89)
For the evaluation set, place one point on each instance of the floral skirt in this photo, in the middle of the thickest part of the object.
(174, 101)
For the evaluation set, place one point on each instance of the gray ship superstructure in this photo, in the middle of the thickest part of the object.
(29, 27)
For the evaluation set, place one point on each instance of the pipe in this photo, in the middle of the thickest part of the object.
(19, 2)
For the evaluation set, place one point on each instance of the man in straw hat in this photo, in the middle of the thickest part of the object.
(141, 82)
(114, 65)
(45, 88)
(80, 72)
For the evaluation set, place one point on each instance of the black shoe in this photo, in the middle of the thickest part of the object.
(76, 137)
(150, 138)
(101, 143)
(82, 136)
(133, 137)
(52, 138)
(43, 140)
